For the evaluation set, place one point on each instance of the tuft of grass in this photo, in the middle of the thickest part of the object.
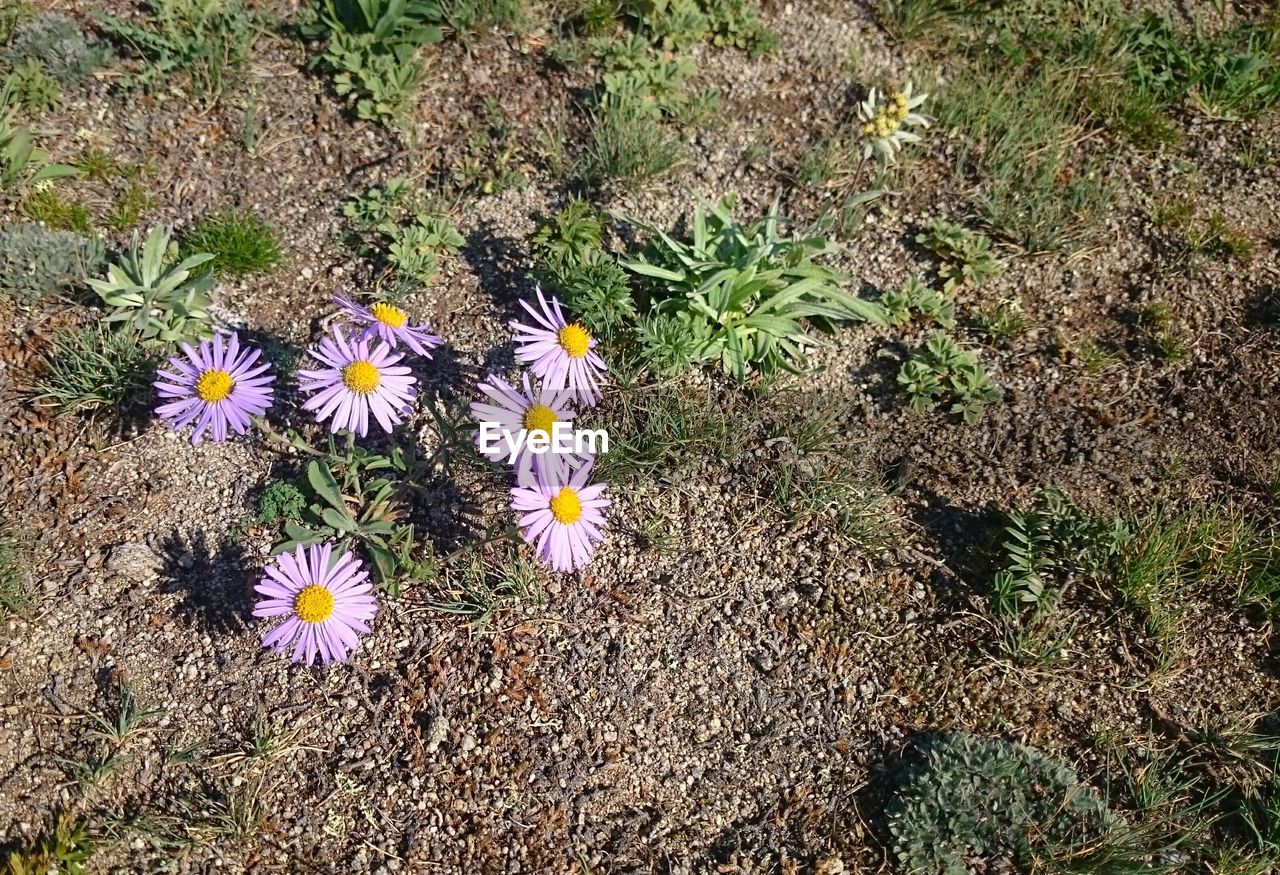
(1158, 326)
(127, 717)
(1003, 322)
(241, 243)
(1233, 74)
(92, 368)
(478, 582)
(130, 207)
(626, 146)
(812, 477)
(660, 429)
(1169, 558)
(49, 207)
(1036, 187)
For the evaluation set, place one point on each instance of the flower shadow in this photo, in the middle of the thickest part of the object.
(216, 583)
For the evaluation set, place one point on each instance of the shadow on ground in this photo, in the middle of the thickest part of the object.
(216, 582)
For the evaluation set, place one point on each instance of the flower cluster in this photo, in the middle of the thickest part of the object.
(220, 387)
(561, 511)
(221, 384)
(885, 123)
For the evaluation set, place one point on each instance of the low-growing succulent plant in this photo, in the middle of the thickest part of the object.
(35, 261)
(965, 796)
(60, 46)
(160, 297)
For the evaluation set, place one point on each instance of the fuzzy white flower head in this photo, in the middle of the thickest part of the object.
(885, 122)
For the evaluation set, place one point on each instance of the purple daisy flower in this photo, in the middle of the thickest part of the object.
(562, 520)
(517, 413)
(391, 324)
(355, 381)
(215, 387)
(327, 603)
(560, 353)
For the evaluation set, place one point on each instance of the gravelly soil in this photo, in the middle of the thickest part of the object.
(728, 703)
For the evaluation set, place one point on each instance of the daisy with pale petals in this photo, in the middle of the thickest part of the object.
(518, 413)
(563, 520)
(559, 352)
(356, 380)
(327, 604)
(216, 386)
(391, 324)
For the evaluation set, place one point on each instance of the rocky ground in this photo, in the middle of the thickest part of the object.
(730, 700)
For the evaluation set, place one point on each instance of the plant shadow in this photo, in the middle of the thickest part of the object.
(216, 582)
(501, 264)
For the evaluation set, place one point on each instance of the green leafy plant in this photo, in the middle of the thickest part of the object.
(395, 226)
(239, 241)
(93, 368)
(60, 47)
(679, 24)
(571, 236)
(372, 52)
(964, 796)
(33, 88)
(155, 294)
(916, 297)
(747, 294)
(35, 262)
(1050, 544)
(359, 495)
(280, 501)
(589, 282)
(64, 851)
(942, 372)
(22, 163)
(966, 257)
(207, 40)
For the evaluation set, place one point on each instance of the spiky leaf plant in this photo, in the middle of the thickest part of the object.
(159, 297)
(746, 294)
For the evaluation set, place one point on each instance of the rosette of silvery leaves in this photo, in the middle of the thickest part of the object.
(886, 121)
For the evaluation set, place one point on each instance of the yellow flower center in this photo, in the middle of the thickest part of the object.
(392, 317)
(540, 417)
(566, 507)
(313, 604)
(574, 340)
(361, 377)
(214, 385)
